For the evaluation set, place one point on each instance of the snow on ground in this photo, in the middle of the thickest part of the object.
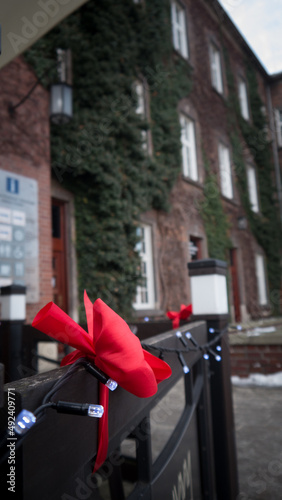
(258, 379)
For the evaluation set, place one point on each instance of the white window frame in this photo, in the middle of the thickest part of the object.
(243, 98)
(189, 151)
(261, 280)
(140, 94)
(179, 29)
(145, 293)
(278, 120)
(225, 171)
(216, 68)
(140, 109)
(252, 188)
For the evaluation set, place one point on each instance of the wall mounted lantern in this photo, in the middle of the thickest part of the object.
(60, 92)
(242, 222)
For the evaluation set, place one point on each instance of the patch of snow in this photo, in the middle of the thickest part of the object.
(260, 331)
(258, 379)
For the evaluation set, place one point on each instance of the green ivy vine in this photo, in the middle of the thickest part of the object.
(99, 155)
(265, 224)
(215, 219)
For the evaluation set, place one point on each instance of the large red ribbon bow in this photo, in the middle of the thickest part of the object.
(114, 349)
(176, 316)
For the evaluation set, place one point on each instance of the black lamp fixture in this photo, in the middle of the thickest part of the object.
(242, 222)
(60, 92)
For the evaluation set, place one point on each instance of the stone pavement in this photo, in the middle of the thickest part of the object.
(258, 423)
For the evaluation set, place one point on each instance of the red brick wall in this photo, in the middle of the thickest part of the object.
(276, 96)
(209, 111)
(25, 150)
(246, 359)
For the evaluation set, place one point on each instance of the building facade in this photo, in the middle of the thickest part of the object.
(222, 145)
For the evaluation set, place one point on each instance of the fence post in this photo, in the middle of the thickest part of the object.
(12, 317)
(210, 303)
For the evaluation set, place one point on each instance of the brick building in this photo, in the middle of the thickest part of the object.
(25, 213)
(202, 34)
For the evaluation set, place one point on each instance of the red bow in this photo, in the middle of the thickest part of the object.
(176, 316)
(114, 349)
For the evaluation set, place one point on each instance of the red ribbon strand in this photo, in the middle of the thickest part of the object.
(113, 348)
(184, 313)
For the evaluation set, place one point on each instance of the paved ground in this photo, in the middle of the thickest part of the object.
(258, 422)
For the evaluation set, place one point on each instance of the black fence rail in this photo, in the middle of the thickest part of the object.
(159, 448)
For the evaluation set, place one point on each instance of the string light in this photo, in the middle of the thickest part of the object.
(216, 356)
(24, 421)
(183, 363)
(101, 376)
(179, 336)
(206, 349)
(27, 419)
(190, 337)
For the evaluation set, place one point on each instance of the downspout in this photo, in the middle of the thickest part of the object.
(275, 150)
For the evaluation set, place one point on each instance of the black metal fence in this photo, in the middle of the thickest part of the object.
(161, 447)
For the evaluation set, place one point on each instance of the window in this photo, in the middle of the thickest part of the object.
(179, 32)
(261, 281)
(145, 293)
(216, 74)
(225, 171)
(189, 157)
(141, 109)
(252, 188)
(243, 99)
(195, 244)
(140, 93)
(278, 118)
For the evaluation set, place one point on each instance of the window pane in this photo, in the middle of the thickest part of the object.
(261, 281)
(216, 69)
(225, 171)
(179, 31)
(189, 156)
(243, 99)
(252, 187)
(145, 293)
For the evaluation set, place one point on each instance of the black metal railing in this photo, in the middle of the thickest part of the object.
(159, 447)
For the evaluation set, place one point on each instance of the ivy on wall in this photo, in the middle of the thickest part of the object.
(99, 155)
(215, 219)
(265, 224)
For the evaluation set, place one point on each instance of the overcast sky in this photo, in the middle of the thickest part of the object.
(260, 22)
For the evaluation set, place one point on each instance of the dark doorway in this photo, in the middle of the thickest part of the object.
(59, 276)
(235, 284)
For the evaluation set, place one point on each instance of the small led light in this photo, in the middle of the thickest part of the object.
(111, 384)
(24, 421)
(95, 411)
(239, 327)
(179, 336)
(146, 318)
(183, 363)
(218, 358)
(211, 330)
(218, 348)
(188, 335)
(206, 356)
